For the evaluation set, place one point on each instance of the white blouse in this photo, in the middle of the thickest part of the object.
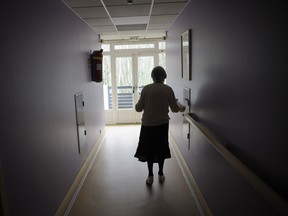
(155, 100)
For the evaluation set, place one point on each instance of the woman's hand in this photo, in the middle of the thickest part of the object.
(181, 107)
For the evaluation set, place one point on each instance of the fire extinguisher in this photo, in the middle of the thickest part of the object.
(96, 65)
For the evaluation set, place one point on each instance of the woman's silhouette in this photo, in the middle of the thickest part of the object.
(155, 100)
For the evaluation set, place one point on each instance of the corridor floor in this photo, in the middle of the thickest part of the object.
(115, 185)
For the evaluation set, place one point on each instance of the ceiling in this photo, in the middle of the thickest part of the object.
(116, 19)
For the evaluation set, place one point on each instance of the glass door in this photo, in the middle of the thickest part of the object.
(132, 74)
(124, 89)
(145, 64)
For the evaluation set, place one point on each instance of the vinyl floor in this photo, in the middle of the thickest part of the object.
(115, 185)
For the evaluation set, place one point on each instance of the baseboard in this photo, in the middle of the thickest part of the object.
(71, 195)
(192, 184)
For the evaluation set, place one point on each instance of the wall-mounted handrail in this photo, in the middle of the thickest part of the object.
(280, 204)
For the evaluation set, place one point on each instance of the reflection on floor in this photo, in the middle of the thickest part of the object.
(115, 185)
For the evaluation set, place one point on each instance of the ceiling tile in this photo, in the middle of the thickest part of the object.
(158, 26)
(166, 1)
(134, 32)
(156, 32)
(129, 10)
(83, 3)
(100, 29)
(131, 27)
(98, 21)
(91, 12)
(162, 18)
(124, 2)
(131, 20)
(168, 8)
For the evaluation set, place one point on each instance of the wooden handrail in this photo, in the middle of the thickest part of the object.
(280, 204)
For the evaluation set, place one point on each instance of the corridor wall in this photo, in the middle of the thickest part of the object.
(44, 61)
(239, 92)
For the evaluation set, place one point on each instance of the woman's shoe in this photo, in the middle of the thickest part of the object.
(149, 180)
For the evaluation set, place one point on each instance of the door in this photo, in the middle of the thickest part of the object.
(132, 74)
(125, 89)
(145, 64)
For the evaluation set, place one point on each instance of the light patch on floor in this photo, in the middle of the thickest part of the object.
(115, 185)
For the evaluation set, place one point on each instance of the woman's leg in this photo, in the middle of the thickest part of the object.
(161, 165)
(150, 177)
(150, 167)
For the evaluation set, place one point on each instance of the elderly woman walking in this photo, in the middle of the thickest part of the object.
(155, 100)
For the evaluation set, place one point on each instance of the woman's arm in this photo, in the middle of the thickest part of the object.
(175, 106)
(181, 107)
(140, 104)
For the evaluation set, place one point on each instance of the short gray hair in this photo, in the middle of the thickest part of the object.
(158, 74)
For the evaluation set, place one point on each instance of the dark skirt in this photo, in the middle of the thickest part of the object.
(153, 143)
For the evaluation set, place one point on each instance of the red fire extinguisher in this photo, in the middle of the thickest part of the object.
(96, 65)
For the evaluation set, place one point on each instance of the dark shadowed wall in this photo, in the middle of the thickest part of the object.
(44, 62)
(239, 91)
